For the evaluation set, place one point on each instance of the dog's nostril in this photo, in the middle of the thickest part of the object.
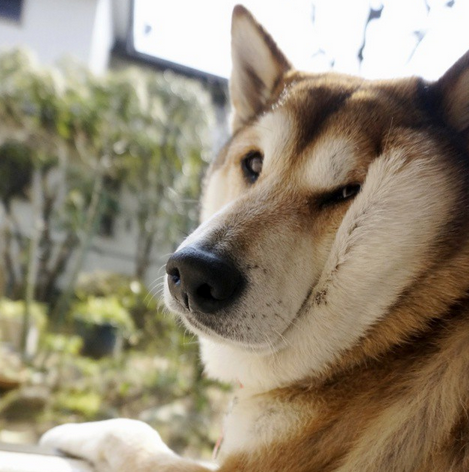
(205, 292)
(175, 276)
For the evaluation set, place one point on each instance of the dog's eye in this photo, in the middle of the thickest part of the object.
(252, 165)
(349, 191)
(342, 194)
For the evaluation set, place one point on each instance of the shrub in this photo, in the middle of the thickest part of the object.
(104, 310)
(14, 309)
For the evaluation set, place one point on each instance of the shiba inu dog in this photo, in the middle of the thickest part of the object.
(329, 276)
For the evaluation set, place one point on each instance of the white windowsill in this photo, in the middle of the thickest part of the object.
(30, 462)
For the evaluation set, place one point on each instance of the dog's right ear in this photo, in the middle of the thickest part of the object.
(258, 67)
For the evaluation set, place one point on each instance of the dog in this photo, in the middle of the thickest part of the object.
(328, 279)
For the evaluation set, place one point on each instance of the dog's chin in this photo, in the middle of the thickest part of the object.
(234, 339)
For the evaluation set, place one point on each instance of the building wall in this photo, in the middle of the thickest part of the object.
(102, 39)
(54, 29)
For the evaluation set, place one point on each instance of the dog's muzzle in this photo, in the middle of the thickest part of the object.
(202, 281)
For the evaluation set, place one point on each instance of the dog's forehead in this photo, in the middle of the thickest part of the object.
(311, 104)
(340, 103)
(305, 132)
(330, 125)
(325, 163)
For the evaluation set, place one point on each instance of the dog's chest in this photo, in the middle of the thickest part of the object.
(256, 421)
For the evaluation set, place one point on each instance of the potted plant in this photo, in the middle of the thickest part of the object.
(102, 322)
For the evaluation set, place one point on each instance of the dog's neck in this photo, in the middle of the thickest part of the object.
(255, 420)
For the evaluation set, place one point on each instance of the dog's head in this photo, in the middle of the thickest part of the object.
(328, 211)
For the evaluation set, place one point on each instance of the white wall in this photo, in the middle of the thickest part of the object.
(102, 37)
(54, 29)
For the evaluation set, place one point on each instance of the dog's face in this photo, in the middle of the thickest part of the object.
(329, 203)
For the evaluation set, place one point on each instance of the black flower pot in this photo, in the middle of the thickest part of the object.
(99, 340)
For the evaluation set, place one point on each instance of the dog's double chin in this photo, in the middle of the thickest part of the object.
(192, 322)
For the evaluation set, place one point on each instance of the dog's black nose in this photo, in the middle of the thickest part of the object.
(201, 280)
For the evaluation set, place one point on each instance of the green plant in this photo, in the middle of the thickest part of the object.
(104, 310)
(86, 404)
(61, 343)
(14, 309)
(103, 283)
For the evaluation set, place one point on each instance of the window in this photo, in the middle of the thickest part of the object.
(372, 38)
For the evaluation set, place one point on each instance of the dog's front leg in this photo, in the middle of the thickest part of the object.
(120, 445)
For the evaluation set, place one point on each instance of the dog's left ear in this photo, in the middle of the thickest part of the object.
(453, 90)
(258, 67)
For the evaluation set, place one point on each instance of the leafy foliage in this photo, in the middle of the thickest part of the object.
(16, 170)
(10, 309)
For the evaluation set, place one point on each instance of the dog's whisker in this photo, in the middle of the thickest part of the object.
(282, 337)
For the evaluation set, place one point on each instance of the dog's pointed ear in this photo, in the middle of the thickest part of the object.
(258, 66)
(453, 90)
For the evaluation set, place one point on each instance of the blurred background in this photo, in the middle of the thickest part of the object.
(110, 111)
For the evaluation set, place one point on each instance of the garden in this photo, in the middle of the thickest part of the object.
(92, 168)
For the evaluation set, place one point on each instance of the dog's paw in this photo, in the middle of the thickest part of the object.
(112, 445)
